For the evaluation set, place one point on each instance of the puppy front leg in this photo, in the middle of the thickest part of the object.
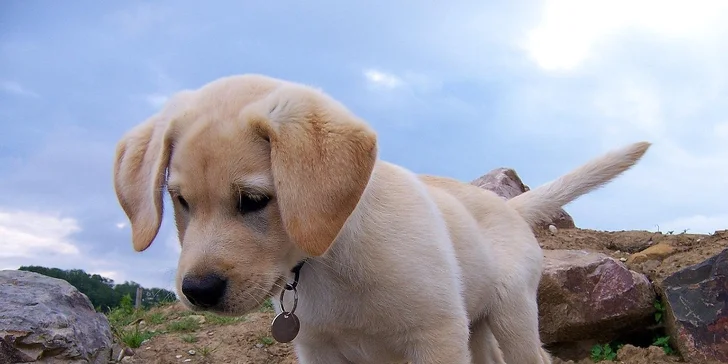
(483, 345)
(319, 353)
(444, 345)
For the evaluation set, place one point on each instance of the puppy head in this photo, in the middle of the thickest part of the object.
(261, 173)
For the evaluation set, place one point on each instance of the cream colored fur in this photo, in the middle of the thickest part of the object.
(401, 267)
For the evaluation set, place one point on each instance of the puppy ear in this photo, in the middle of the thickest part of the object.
(142, 158)
(322, 157)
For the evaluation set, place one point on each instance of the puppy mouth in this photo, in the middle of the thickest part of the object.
(241, 299)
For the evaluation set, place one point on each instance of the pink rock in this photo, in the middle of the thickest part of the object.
(585, 295)
(506, 183)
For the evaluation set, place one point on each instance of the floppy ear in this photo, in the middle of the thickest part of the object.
(322, 157)
(142, 158)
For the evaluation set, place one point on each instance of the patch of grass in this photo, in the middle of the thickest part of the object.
(134, 337)
(205, 351)
(221, 320)
(604, 352)
(186, 324)
(125, 314)
(155, 318)
(267, 306)
(266, 340)
(189, 338)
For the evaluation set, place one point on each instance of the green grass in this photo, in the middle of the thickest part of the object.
(134, 338)
(155, 318)
(189, 338)
(267, 306)
(266, 340)
(221, 320)
(186, 324)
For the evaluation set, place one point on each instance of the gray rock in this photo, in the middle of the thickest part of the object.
(696, 317)
(44, 319)
(586, 295)
(506, 183)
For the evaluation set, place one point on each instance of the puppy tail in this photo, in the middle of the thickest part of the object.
(542, 203)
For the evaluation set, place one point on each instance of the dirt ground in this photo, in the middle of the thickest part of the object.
(248, 340)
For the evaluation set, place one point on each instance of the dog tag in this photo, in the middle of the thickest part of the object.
(285, 327)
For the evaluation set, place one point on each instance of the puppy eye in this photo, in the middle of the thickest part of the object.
(183, 202)
(252, 203)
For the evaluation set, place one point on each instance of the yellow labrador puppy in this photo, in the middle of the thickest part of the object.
(278, 191)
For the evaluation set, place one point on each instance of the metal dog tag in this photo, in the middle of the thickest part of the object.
(285, 327)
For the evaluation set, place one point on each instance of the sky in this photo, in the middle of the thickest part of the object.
(452, 88)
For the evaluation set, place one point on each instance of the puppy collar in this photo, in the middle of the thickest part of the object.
(285, 325)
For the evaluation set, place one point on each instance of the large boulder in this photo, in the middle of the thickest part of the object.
(696, 309)
(585, 295)
(44, 319)
(506, 183)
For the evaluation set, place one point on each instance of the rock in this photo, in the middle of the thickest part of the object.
(506, 183)
(656, 252)
(696, 309)
(585, 295)
(553, 229)
(47, 318)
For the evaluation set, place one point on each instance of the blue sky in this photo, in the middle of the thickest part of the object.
(454, 88)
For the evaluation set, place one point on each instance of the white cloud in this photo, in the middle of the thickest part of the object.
(26, 234)
(382, 79)
(121, 225)
(15, 88)
(570, 29)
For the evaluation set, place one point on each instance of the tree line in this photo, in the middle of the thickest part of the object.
(101, 291)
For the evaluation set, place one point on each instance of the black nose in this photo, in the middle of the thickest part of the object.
(204, 291)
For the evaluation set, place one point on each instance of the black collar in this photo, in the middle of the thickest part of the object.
(296, 270)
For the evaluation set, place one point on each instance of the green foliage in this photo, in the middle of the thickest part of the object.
(659, 311)
(604, 352)
(664, 343)
(134, 337)
(101, 291)
(156, 318)
(185, 324)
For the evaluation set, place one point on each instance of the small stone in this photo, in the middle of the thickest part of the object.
(187, 360)
(178, 356)
(148, 348)
(658, 251)
(192, 352)
(553, 229)
(622, 259)
(259, 345)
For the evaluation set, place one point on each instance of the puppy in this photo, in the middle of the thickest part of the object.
(265, 174)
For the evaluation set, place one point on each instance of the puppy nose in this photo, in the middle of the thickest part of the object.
(205, 291)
